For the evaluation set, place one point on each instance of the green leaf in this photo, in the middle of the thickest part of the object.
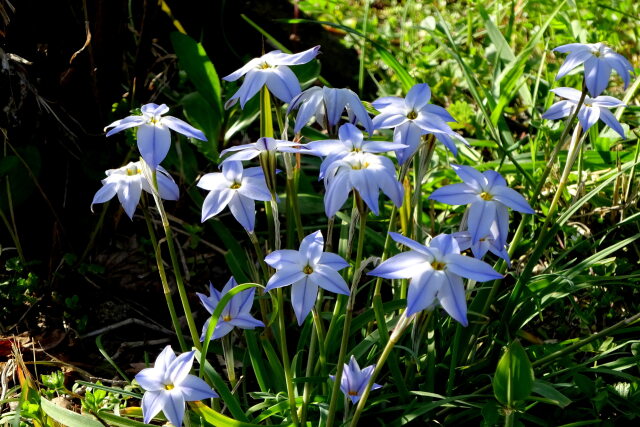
(513, 380)
(198, 110)
(115, 420)
(216, 418)
(547, 390)
(67, 417)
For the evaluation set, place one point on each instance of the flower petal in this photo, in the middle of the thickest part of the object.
(452, 298)
(418, 96)
(243, 210)
(194, 388)
(311, 247)
(596, 73)
(422, 290)
(481, 215)
(284, 258)
(299, 58)
(153, 143)
(455, 194)
(511, 198)
(283, 84)
(215, 202)
(411, 244)
(568, 92)
(105, 193)
(470, 176)
(588, 116)
(180, 367)
(408, 134)
(152, 403)
(610, 120)
(174, 407)
(389, 120)
(471, 268)
(329, 279)
(303, 298)
(183, 128)
(559, 110)
(126, 123)
(572, 60)
(284, 277)
(129, 194)
(151, 379)
(246, 321)
(336, 193)
(402, 266)
(333, 261)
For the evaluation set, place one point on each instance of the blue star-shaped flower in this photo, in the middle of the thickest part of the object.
(598, 59)
(354, 380)
(306, 269)
(436, 272)
(235, 314)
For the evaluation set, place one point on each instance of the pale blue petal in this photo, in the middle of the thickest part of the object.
(105, 193)
(174, 407)
(336, 194)
(569, 93)
(365, 183)
(246, 321)
(153, 143)
(325, 147)
(606, 102)
(610, 120)
(391, 188)
(381, 146)
(283, 84)
(332, 260)
(422, 290)
(392, 103)
(152, 403)
(494, 178)
(621, 65)
(438, 111)
(194, 388)
(470, 176)
(470, 268)
(303, 298)
(255, 188)
(232, 171)
(329, 279)
(445, 243)
(212, 181)
(502, 223)
(284, 277)
(403, 266)
(280, 58)
(243, 210)
(164, 359)
(452, 298)
(455, 194)
(411, 244)
(129, 195)
(241, 156)
(252, 84)
(588, 116)
(151, 379)
(418, 96)
(180, 367)
(559, 110)
(408, 134)
(311, 247)
(389, 120)
(572, 61)
(284, 258)
(596, 73)
(334, 104)
(511, 198)
(255, 62)
(572, 47)
(215, 202)
(355, 108)
(183, 128)
(481, 215)
(167, 187)
(351, 135)
(463, 238)
(126, 123)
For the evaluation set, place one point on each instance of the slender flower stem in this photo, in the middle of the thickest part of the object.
(420, 165)
(165, 284)
(184, 299)
(335, 392)
(285, 358)
(227, 349)
(395, 336)
(306, 394)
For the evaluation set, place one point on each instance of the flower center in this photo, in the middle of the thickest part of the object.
(412, 115)
(353, 393)
(226, 318)
(438, 265)
(307, 269)
(486, 196)
(360, 165)
(235, 185)
(169, 386)
(264, 66)
(133, 171)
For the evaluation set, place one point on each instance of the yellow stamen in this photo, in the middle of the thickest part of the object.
(169, 387)
(307, 269)
(226, 318)
(412, 115)
(437, 265)
(235, 186)
(486, 196)
(353, 393)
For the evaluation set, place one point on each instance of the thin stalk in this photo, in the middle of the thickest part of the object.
(184, 299)
(165, 284)
(335, 392)
(306, 394)
(227, 349)
(420, 164)
(285, 358)
(395, 336)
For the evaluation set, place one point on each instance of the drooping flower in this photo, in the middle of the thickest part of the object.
(350, 140)
(436, 273)
(235, 313)
(254, 149)
(412, 117)
(599, 59)
(271, 69)
(154, 138)
(326, 105)
(489, 243)
(367, 173)
(168, 385)
(236, 187)
(591, 110)
(306, 269)
(128, 182)
(488, 196)
(354, 380)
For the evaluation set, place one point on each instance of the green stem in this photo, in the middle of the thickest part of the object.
(335, 392)
(165, 284)
(395, 336)
(266, 119)
(306, 394)
(227, 349)
(175, 264)
(285, 358)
